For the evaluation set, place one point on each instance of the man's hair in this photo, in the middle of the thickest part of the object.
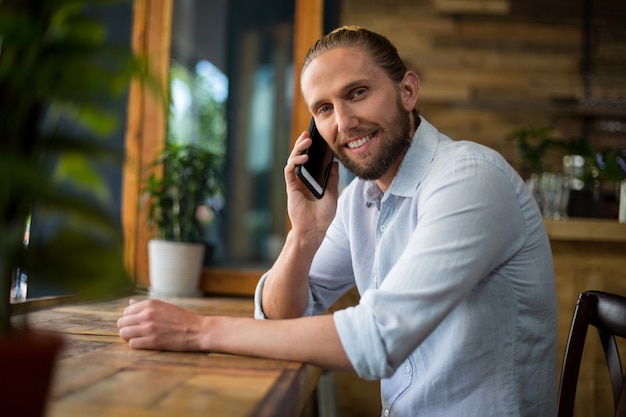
(376, 46)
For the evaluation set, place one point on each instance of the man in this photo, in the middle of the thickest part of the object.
(442, 239)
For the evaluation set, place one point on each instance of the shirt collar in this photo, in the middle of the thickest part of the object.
(418, 157)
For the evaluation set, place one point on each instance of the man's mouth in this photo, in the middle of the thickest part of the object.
(359, 142)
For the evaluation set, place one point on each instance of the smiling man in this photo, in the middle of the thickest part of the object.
(442, 239)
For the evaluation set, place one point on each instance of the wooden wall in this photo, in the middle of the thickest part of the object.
(488, 67)
(580, 266)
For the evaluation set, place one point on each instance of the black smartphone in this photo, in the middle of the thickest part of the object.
(314, 172)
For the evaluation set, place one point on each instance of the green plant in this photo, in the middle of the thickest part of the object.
(533, 144)
(178, 199)
(58, 76)
(611, 165)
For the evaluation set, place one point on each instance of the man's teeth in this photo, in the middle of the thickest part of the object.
(358, 143)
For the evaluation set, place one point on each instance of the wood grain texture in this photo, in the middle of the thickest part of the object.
(145, 132)
(99, 375)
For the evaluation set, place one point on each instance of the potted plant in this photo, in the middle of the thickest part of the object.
(57, 77)
(534, 144)
(181, 197)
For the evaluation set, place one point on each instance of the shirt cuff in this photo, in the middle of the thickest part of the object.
(258, 304)
(258, 292)
(362, 343)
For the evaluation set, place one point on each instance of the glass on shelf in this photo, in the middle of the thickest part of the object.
(19, 285)
(551, 192)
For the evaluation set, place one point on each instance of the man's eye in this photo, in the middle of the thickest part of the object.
(323, 109)
(358, 92)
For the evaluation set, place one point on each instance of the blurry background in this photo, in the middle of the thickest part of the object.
(488, 68)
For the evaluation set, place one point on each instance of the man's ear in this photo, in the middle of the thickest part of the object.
(409, 90)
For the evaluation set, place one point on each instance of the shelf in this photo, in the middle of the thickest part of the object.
(586, 230)
(601, 112)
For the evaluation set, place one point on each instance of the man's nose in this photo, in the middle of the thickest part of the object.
(346, 119)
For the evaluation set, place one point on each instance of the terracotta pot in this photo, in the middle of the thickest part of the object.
(175, 268)
(26, 368)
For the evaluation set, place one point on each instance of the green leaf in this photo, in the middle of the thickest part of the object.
(101, 121)
(55, 62)
(75, 168)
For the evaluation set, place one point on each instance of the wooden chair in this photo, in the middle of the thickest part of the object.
(607, 313)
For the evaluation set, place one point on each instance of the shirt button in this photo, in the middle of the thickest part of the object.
(382, 228)
(386, 412)
(407, 369)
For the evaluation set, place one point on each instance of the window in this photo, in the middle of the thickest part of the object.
(249, 47)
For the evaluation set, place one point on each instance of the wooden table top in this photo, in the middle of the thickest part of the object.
(99, 375)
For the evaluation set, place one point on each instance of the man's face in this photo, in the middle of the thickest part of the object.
(359, 111)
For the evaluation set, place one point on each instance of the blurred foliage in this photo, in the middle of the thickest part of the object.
(190, 179)
(533, 144)
(58, 76)
(202, 117)
(536, 142)
(611, 164)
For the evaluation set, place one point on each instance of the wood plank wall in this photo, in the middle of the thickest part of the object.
(483, 75)
(581, 266)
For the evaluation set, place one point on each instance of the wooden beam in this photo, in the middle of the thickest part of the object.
(145, 133)
(493, 7)
(308, 29)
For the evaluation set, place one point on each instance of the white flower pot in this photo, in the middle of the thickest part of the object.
(175, 268)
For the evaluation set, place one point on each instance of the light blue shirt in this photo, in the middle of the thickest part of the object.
(458, 310)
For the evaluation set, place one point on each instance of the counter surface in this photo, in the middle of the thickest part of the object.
(99, 375)
(586, 230)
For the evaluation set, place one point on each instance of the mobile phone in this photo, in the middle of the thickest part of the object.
(314, 172)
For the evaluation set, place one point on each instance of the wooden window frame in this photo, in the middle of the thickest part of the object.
(146, 133)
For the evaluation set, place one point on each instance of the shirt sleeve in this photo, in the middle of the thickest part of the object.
(258, 305)
(331, 273)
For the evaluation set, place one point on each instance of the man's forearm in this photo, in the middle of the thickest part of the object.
(286, 289)
(309, 339)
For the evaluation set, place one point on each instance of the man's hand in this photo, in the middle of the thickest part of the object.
(285, 292)
(154, 324)
(306, 213)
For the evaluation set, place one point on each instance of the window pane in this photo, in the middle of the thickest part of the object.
(231, 85)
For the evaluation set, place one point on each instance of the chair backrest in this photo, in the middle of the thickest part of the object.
(607, 313)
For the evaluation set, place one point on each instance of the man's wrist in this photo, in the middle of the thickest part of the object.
(308, 240)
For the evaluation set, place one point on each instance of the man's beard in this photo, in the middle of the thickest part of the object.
(392, 147)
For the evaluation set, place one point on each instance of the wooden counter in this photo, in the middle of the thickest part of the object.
(99, 375)
(586, 230)
(589, 254)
